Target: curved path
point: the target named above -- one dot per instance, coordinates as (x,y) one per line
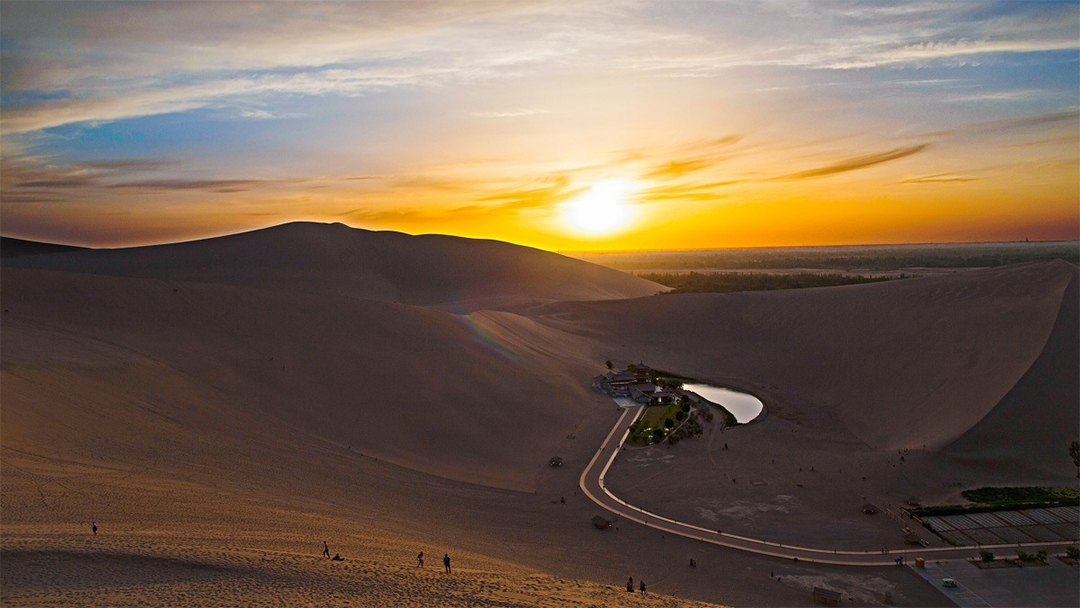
(592,483)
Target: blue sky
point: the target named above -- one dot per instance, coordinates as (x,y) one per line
(837,122)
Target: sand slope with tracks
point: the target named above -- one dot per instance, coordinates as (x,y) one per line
(225,423)
(905,364)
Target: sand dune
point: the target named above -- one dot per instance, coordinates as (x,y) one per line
(13,248)
(429,270)
(186,566)
(226,389)
(896,365)
(1042,406)
(423,388)
(979,367)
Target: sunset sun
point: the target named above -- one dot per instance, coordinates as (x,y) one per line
(603,208)
(291,292)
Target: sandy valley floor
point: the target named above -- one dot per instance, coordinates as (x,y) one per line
(219,426)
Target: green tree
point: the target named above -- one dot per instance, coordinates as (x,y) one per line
(987,556)
(609,365)
(669,423)
(1074,451)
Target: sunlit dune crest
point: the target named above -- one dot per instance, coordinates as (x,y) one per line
(634,304)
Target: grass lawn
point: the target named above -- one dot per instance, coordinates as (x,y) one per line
(641,433)
(1020,495)
(655,415)
(1005,499)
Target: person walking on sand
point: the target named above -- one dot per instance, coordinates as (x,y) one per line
(325,549)
(93,526)
(642,587)
(630,585)
(420,560)
(446,563)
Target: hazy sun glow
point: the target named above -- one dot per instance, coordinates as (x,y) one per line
(603,209)
(665,125)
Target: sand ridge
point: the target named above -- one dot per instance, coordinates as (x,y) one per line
(423,388)
(454,273)
(869,362)
(188,408)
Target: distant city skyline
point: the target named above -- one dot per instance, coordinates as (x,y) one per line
(568,126)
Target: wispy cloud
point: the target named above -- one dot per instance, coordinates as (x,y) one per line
(509,113)
(264,115)
(212,185)
(32,176)
(548,192)
(963,48)
(543,196)
(37,178)
(690,157)
(160,63)
(939,178)
(856,163)
(1006,124)
(997,96)
(676,168)
(688,192)
(1071,139)
(147,59)
(510,109)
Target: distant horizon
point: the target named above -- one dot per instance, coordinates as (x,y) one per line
(560,125)
(559,251)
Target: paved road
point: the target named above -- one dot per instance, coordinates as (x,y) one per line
(592,483)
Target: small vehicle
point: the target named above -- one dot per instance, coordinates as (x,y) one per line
(948,582)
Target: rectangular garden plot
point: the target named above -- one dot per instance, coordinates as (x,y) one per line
(957,538)
(984,536)
(1013,535)
(961,522)
(1043,534)
(986,520)
(1066,531)
(1067,513)
(1015,518)
(1045,516)
(938,523)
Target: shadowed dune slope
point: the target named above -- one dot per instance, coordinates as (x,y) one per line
(1046,398)
(428,270)
(134,366)
(898,364)
(13,248)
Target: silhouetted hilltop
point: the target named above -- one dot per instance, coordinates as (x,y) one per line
(13,248)
(304,257)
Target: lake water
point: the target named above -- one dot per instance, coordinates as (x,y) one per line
(744,407)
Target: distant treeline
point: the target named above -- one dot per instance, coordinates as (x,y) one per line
(868,258)
(723,282)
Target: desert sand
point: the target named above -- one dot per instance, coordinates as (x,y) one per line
(971,379)
(305,257)
(223,406)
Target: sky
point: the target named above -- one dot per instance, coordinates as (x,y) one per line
(564,125)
